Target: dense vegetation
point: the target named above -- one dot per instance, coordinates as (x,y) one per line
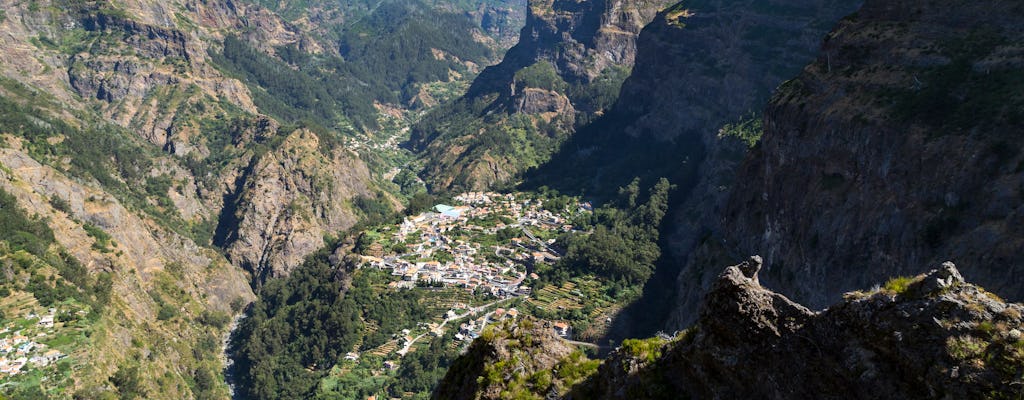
(394,46)
(29,245)
(386,55)
(623,245)
(325,96)
(302,325)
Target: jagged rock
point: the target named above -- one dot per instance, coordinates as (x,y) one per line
(751,267)
(750,342)
(581,42)
(514,351)
(287,200)
(945,277)
(539,101)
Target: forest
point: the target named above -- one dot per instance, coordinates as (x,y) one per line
(302,325)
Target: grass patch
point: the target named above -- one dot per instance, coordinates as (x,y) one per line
(898,285)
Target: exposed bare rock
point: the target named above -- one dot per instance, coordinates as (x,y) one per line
(930,337)
(288,199)
(139,253)
(539,101)
(898,147)
(565,48)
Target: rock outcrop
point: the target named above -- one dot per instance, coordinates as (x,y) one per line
(933,336)
(287,200)
(508,360)
(691,107)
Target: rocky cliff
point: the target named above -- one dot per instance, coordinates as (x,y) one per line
(692,108)
(896,148)
(565,70)
(158,281)
(932,336)
(287,199)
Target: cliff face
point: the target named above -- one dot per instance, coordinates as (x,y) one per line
(700,65)
(580,38)
(287,200)
(150,268)
(566,69)
(689,112)
(126,141)
(897,147)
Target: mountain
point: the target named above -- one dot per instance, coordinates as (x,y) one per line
(888,154)
(500,19)
(162,160)
(689,112)
(894,148)
(930,336)
(566,69)
(672,109)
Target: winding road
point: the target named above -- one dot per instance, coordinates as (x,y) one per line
(405,349)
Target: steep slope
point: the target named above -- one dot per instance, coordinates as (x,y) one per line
(146,68)
(499,19)
(287,200)
(151,295)
(701,65)
(689,112)
(897,147)
(127,139)
(565,70)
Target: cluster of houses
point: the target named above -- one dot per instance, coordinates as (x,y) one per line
(19,351)
(471,329)
(428,238)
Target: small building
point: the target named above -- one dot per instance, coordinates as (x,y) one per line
(350,356)
(561,328)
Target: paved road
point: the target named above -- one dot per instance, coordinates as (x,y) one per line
(405,349)
(584,344)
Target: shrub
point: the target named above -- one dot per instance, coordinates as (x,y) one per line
(645,349)
(898,285)
(166,312)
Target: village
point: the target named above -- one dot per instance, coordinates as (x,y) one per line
(485,246)
(462,245)
(20,351)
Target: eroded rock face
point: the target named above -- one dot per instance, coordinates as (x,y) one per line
(923,340)
(140,254)
(898,147)
(571,45)
(287,200)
